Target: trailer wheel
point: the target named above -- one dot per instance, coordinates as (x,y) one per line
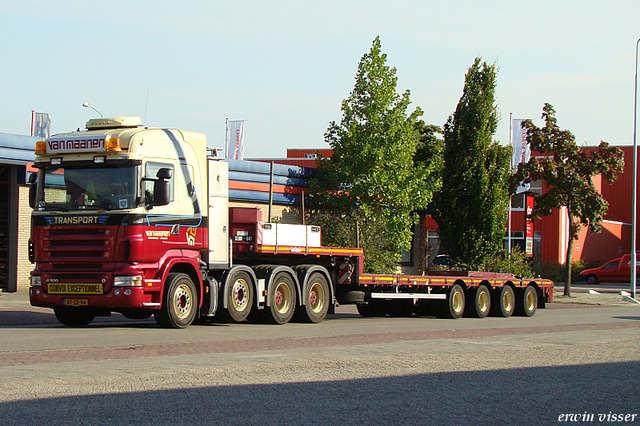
(316,299)
(453,306)
(481,302)
(503,302)
(74,317)
(282,299)
(373,308)
(238,292)
(180,302)
(527,302)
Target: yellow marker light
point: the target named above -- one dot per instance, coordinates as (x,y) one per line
(113,144)
(41,147)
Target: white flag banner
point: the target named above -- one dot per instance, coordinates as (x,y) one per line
(235,149)
(40,125)
(521,150)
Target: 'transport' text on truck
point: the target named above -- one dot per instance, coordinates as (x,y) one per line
(137,220)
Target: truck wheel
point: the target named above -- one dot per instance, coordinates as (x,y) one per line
(527,302)
(180,302)
(282,299)
(238,294)
(453,306)
(592,279)
(316,299)
(504,302)
(74,317)
(480,305)
(373,308)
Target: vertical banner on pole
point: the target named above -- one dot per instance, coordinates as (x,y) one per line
(528,221)
(40,124)
(521,150)
(235,149)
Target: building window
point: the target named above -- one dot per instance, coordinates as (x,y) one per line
(517,202)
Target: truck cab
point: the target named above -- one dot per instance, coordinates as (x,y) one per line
(115,208)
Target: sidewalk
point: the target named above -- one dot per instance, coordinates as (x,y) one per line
(586,298)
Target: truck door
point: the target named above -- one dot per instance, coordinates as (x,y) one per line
(163,222)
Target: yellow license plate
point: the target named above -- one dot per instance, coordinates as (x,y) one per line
(76,302)
(75,288)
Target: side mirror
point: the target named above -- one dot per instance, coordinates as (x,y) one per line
(161,187)
(164,173)
(33,189)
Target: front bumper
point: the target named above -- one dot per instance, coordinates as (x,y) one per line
(117,298)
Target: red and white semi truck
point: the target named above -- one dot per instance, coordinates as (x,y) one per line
(136,220)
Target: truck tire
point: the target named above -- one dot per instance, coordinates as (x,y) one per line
(592,279)
(527,302)
(453,306)
(503,302)
(239,296)
(74,317)
(316,299)
(179,303)
(281,299)
(479,302)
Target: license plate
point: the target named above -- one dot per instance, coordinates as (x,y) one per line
(76,302)
(58,288)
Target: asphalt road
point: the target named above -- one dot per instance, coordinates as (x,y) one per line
(580,356)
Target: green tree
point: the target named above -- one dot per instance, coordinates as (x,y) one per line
(567,172)
(472,204)
(371,177)
(428,156)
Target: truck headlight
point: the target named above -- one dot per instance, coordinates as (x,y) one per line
(36,281)
(127,281)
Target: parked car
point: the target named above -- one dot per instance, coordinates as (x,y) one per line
(443,260)
(615,270)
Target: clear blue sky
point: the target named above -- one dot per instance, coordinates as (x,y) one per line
(285,66)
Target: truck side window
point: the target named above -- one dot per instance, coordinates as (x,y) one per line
(151,169)
(611,265)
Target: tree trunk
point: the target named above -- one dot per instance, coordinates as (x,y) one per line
(567,269)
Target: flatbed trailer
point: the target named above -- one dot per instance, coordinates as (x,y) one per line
(442,293)
(136,220)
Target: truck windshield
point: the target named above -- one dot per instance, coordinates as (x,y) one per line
(88,188)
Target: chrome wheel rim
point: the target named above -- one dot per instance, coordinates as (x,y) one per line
(507,301)
(240,295)
(282,298)
(316,298)
(183,301)
(457,301)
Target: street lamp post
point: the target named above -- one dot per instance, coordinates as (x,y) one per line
(88,105)
(635,182)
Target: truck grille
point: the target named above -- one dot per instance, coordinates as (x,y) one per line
(77,244)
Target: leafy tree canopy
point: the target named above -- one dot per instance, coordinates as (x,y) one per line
(471,206)
(567,172)
(372,176)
